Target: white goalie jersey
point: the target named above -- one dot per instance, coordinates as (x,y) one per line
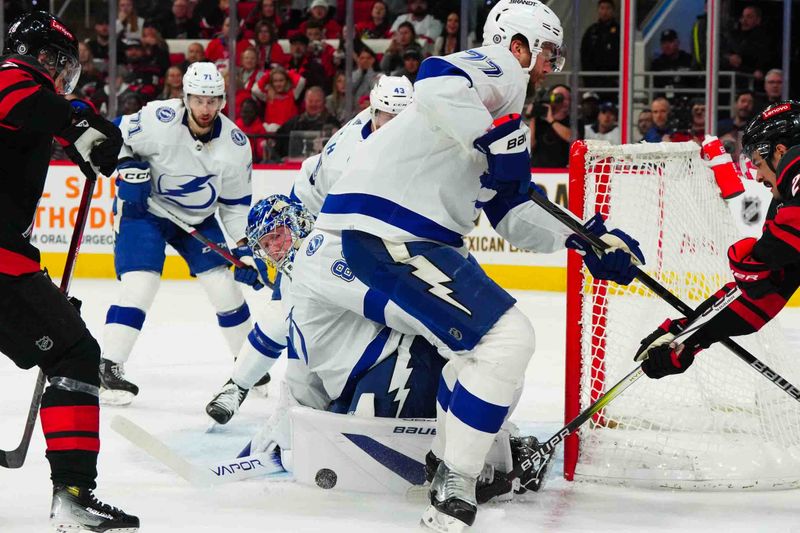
(192,178)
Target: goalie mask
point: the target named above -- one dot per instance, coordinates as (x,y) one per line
(777,124)
(276,227)
(531,19)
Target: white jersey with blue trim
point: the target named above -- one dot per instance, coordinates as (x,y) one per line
(320,172)
(418,177)
(337,325)
(192,177)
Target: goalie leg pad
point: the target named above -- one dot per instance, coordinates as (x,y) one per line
(125,319)
(233,314)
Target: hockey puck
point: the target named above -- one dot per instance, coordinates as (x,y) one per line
(325,478)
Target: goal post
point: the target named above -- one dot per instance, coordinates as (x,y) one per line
(718,426)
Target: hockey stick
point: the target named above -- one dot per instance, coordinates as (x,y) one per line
(255,465)
(576,226)
(16,457)
(162,212)
(544,452)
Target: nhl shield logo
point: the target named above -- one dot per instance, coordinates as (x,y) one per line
(45,343)
(751,210)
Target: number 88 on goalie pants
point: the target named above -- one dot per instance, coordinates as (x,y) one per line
(458,308)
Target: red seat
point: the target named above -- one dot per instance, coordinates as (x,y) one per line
(177,58)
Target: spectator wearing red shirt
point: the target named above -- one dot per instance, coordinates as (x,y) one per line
(269,52)
(247,76)
(265,10)
(279,90)
(217,49)
(320,52)
(252,126)
(318,13)
(300,62)
(379,26)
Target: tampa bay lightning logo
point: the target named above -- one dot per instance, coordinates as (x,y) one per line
(187,191)
(238,137)
(314,244)
(165,114)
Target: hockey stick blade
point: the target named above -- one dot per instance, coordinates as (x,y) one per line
(569,220)
(255,465)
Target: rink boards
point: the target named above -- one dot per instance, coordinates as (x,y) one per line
(511,267)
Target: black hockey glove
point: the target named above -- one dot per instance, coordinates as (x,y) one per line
(659,358)
(91,142)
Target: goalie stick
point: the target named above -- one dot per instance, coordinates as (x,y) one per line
(542,454)
(569,220)
(249,466)
(191,230)
(16,457)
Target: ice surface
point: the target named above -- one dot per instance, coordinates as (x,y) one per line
(181,360)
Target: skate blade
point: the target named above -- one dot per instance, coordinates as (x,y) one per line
(434,520)
(115,397)
(77,528)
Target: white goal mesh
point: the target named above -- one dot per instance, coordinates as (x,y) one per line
(720,425)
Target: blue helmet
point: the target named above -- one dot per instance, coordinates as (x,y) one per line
(266,218)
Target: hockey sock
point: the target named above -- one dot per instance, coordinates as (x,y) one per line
(258,354)
(233,314)
(70,415)
(125,319)
(447,381)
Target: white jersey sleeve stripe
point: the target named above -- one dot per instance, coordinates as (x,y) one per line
(391,213)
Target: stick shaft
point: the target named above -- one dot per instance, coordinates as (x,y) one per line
(664,293)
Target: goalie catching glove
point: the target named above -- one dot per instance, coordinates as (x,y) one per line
(91,142)
(619,262)
(658,354)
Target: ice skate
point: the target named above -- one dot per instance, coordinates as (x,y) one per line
(453,505)
(114,388)
(226,403)
(76,509)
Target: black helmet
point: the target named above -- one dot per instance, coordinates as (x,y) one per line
(777,124)
(39,32)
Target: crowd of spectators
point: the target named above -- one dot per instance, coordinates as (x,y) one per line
(288,76)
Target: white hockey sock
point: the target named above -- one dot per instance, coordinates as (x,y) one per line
(446,383)
(478,407)
(233,314)
(258,354)
(125,319)
(485,391)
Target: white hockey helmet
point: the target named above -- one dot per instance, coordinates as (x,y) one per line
(203,79)
(391,94)
(530,18)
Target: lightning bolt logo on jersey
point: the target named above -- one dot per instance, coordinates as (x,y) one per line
(189,192)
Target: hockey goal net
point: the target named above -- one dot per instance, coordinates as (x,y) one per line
(720,425)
